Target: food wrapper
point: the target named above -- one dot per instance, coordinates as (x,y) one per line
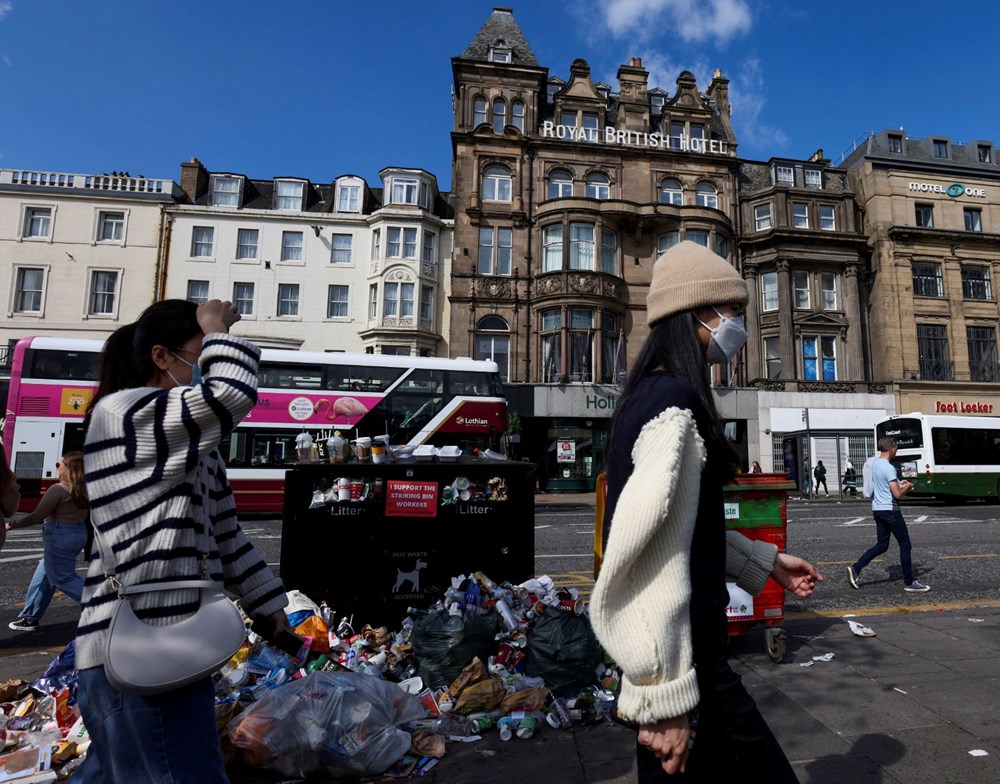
(9,690)
(66,714)
(527,700)
(482,696)
(473,673)
(315,627)
(425,744)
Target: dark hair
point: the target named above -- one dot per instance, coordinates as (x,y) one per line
(673,344)
(885,443)
(126,361)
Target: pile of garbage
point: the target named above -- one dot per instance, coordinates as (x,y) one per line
(349,701)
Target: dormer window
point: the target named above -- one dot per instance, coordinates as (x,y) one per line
(349,196)
(813,178)
(656,103)
(554,86)
(895,143)
(288,195)
(225,191)
(500,52)
(940,147)
(985,153)
(784,175)
(404,190)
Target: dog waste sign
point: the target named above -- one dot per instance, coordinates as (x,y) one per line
(411,499)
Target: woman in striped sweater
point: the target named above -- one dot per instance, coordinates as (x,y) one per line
(156,481)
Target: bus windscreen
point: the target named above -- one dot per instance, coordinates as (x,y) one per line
(907,432)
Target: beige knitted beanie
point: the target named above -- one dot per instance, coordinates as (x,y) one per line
(690,276)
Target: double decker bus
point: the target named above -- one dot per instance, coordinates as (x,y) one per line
(413,400)
(950,457)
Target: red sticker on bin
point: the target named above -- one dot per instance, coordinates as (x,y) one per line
(411,499)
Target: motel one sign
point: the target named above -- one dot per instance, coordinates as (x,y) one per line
(682,142)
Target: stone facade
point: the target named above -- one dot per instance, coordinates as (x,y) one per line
(323,267)
(932,215)
(79,253)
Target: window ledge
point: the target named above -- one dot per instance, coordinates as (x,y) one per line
(210,259)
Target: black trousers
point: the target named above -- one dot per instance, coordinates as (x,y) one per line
(732,739)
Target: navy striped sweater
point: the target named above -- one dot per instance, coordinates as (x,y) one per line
(155,477)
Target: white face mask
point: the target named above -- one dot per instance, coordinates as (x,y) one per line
(727,338)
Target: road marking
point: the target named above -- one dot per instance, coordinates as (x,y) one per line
(842,563)
(588,554)
(920,519)
(21,558)
(855,520)
(972,604)
(984,555)
(540,527)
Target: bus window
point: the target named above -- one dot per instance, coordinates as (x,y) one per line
(73,435)
(247,447)
(274,376)
(428,382)
(355,378)
(64,365)
(469,384)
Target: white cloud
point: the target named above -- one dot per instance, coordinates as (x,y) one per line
(5,8)
(694,20)
(748,96)
(6,59)
(663,72)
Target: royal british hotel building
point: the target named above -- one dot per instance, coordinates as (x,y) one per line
(567,190)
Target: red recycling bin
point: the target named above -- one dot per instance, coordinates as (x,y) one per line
(756,505)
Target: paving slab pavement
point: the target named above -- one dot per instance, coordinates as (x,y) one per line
(907,705)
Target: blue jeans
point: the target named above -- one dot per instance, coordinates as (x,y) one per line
(40,593)
(167,738)
(889,522)
(63,543)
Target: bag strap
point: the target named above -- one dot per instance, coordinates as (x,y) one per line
(110,564)
(175,585)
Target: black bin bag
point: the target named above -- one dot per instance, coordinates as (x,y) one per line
(444,644)
(563,651)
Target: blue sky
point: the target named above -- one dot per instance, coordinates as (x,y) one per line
(318,89)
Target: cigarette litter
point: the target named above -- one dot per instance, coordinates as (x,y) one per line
(975,620)
(896,688)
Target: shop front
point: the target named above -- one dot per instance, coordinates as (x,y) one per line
(948,399)
(564,430)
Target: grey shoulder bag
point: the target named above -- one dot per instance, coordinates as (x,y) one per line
(144,659)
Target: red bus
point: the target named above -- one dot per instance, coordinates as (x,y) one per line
(413,400)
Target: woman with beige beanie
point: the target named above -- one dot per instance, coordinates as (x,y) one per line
(659,605)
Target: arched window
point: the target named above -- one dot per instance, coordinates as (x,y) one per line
(479,112)
(499,115)
(560,184)
(706,195)
(598,186)
(671,193)
(496,184)
(493,343)
(517,115)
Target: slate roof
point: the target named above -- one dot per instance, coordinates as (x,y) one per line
(501,24)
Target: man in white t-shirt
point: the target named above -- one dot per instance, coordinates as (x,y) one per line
(887,489)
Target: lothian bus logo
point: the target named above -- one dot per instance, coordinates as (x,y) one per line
(471,421)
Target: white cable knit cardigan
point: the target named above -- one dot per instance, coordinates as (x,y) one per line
(640,608)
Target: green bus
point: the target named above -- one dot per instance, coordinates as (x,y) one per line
(953,458)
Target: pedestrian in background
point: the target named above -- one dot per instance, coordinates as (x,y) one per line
(10,493)
(755,468)
(806,478)
(887,489)
(63,510)
(157,486)
(659,604)
(851,479)
(820,474)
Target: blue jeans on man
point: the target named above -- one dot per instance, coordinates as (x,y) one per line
(889,522)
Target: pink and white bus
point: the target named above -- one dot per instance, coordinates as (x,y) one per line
(413,400)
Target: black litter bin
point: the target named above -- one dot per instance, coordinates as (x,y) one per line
(372,540)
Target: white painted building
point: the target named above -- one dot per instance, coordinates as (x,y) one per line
(79,253)
(318,267)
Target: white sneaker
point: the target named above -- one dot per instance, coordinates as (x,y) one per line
(916,587)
